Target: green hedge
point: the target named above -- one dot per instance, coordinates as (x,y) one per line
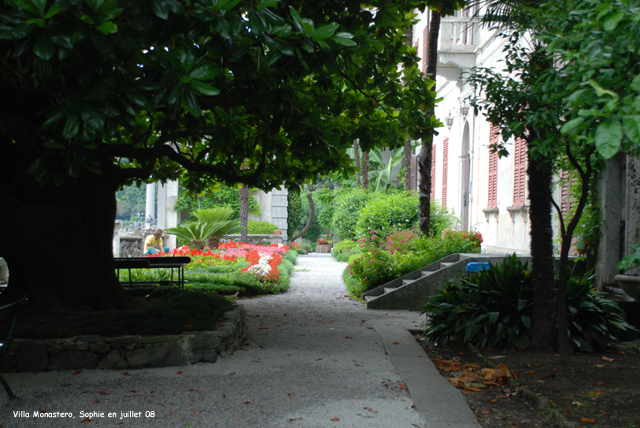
(260,227)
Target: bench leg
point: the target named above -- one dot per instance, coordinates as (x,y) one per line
(8,389)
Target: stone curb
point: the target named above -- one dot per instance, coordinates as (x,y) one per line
(555,418)
(127,352)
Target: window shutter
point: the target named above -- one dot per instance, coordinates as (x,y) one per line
(492,200)
(433,171)
(566,200)
(445,170)
(519,172)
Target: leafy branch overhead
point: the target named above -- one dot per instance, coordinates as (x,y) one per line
(198,89)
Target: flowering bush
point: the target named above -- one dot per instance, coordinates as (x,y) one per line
(323,241)
(475,238)
(263,266)
(401,252)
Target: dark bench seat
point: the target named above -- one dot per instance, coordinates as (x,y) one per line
(153,263)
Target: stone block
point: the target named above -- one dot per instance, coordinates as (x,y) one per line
(113,361)
(204,355)
(205,340)
(170,354)
(99,348)
(73,360)
(124,342)
(160,339)
(31,356)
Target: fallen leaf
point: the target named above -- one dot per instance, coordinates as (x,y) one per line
(396,343)
(587,420)
(197,411)
(348,337)
(101,392)
(87,420)
(247,402)
(76,372)
(577,403)
(192,389)
(133,390)
(600,383)
(291,395)
(335,419)
(608,359)
(600,366)
(219,325)
(96,401)
(126,374)
(189,325)
(179,372)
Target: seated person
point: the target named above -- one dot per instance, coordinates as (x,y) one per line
(153,243)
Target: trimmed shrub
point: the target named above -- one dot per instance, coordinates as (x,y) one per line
(493,308)
(260,227)
(347,212)
(345,249)
(384,213)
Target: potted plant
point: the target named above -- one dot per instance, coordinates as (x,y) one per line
(630,283)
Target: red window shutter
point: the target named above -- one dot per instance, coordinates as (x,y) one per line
(566,201)
(445,170)
(433,171)
(413,185)
(492,200)
(519,172)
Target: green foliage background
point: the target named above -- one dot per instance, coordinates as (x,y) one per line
(227,196)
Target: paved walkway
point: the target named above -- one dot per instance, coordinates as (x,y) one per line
(314,358)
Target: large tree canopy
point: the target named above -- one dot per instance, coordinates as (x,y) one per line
(103,93)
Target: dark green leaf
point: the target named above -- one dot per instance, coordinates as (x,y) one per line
(44,48)
(325,31)
(71,127)
(205,71)
(608,138)
(204,88)
(631,126)
(192,102)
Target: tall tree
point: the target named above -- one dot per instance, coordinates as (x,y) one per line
(101,94)
(438,8)
(356,156)
(562,108)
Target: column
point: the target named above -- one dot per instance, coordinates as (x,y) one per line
(150,206)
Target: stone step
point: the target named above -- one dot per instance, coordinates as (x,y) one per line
(369,298)
(427,272)
(407,281)
(446,264)
(388,289)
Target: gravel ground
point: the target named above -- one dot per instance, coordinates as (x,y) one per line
(312,359)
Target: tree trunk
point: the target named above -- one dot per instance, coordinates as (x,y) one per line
(407,164)
(311,213)
(244,212)
(424,158)
(57,240)
(543,316)
(365,170)
(357,158)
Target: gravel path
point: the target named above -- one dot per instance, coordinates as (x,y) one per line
(312,359)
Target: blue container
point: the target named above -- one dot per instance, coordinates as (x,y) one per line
(475,267)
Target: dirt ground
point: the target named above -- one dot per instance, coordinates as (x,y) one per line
(600,389)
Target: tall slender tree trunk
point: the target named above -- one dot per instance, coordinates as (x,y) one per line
(365,170)
(542,262)
(356,154)
(424,158)
(407,143)
(243,194)
(407,164)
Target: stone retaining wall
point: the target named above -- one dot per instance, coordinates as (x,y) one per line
(127,352)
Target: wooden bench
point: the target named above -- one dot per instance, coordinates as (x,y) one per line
(153,263)
(4,344)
